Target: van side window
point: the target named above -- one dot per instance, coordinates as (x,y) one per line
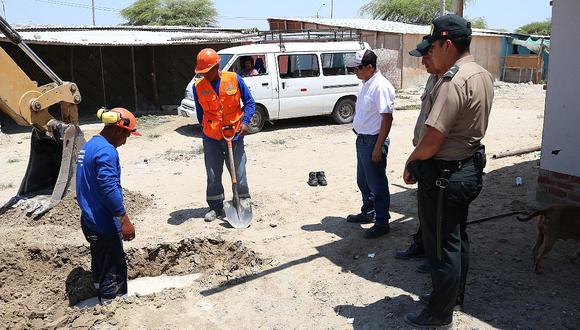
(334,64)
(250,65)
(298,66)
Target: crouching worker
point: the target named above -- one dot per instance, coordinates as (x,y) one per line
(104,220)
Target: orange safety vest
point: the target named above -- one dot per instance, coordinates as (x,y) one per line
(222,110)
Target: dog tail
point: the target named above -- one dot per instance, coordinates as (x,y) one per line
(531,216)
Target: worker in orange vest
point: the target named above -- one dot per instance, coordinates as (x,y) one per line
(217,100)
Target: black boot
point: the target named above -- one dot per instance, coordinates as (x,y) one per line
(413,252)
(312,179)
(424,320)
(360,218)
(321,178)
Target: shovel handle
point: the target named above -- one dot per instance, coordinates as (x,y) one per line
(228,133)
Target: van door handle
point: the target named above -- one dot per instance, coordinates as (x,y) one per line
(265,84)
(283,85)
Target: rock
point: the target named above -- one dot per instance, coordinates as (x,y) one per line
(273,225)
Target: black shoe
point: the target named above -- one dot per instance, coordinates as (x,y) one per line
(424,268)
(426,321)
(425,298)
(413,252)
(321,178)
(377,231)
(360,218)
(312,179)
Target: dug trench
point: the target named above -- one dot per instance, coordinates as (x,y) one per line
(38,286)
(66,213)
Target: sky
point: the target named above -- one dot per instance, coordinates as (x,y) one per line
(506,14)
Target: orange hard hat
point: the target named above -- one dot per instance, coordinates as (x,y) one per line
(207,58)
(120,117)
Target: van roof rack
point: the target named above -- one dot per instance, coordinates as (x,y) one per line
(282,36)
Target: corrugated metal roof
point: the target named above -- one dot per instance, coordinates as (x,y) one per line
(127,35)
(378,25)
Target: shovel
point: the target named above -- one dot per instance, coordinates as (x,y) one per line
(238,215)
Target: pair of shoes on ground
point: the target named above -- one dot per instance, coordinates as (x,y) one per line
(317,179)
(424,320)
(373,232)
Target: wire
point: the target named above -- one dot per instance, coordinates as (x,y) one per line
(79,5)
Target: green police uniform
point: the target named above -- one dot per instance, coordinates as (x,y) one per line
(461,103)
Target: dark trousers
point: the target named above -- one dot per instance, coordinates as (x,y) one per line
(372,180)
(449,274)
(108,264)
(215,153)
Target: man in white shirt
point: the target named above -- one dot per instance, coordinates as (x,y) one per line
(372,123)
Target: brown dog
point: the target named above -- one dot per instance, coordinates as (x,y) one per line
(555,222)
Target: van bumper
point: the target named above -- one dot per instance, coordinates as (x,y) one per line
(187,109)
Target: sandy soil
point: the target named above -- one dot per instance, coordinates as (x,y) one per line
(300,265)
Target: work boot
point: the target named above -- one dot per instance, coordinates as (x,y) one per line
(214,214)
(321,178)
(362,217)
(413,252)
(425,298)
(312,179)
(424,268)
(376,231)
(424,320)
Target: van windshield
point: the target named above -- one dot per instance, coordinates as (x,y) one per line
(224,59)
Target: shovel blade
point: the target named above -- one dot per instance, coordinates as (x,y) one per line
(237,215)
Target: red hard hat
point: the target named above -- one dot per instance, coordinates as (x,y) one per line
(207,58)
(127,120)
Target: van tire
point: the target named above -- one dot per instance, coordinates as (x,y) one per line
(343,112)
(258,120)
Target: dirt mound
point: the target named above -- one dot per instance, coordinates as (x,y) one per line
(67,212)
(37,285)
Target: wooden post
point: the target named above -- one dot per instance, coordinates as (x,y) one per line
(154,79)
(103,76)
(134,78)
(72,64)
(458,7)
(441,7)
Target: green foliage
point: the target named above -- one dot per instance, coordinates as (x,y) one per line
(478,23)
(406,11)
(199,13)
(541,28)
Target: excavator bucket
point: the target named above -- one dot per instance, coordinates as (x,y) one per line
(51,168)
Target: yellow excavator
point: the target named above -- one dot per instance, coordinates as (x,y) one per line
(54,143)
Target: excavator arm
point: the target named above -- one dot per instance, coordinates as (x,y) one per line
(54,143)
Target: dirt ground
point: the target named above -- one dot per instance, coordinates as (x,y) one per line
(300,265)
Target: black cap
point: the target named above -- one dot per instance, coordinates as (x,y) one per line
(422,48)
(363,57)
(449,26)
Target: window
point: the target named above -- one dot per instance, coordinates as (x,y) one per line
(250,65)
(334,64)
(224,59)
(298,66)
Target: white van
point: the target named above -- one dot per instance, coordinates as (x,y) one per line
(293,79)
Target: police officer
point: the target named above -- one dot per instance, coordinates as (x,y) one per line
(448,164)
(416,249)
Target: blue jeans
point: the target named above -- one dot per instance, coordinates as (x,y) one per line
(215,153)
(372,180)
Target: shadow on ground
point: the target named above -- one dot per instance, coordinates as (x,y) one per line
(502,290)
(179,217)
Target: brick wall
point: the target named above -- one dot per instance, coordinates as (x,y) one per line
(554,187)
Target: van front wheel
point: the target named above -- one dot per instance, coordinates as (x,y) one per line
(343,112)
(258,120)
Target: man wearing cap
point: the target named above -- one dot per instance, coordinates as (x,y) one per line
(217,101)
(104,220)
(448,163)
(416,249)
(372,124)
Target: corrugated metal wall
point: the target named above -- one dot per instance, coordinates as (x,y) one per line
(161,73)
